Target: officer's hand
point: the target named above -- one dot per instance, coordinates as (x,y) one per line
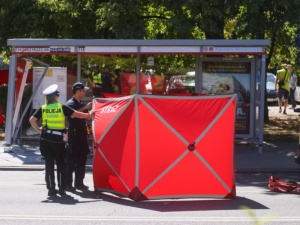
(69,148)
(90,114)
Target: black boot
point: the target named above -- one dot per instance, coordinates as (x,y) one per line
(62,191)
(52,191)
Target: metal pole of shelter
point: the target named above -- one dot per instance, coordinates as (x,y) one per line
(262,108)
(254,68)
(138,73)
(10,100)
(198,89)
(78,68)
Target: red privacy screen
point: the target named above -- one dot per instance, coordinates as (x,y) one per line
(155,147)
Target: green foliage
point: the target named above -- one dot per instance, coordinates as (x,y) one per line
(277,21)
(129,19)
(125,63)
(210,16)
(47,19)
(273,20)
(70,18)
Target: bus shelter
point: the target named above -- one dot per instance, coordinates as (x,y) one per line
(221,67)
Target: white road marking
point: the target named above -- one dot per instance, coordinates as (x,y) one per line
(149,219)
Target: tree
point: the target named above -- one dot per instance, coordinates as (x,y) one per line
(48,19)
(132,19)
(273,20)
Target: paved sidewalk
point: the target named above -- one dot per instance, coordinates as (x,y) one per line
(27,157)
(276,157)
(274,112)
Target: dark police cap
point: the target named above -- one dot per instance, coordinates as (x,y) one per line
(78,86)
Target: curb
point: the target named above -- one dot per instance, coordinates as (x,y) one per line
(89,168)
(32,168)
(272,171)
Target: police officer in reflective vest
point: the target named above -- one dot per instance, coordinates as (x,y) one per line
(52,145)
(101,82)
(78,147)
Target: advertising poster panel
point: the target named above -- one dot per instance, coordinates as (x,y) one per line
(54,75)
(227,78)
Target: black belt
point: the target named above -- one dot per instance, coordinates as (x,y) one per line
(55,132)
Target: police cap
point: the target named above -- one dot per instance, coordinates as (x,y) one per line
(78,86)
(52,89)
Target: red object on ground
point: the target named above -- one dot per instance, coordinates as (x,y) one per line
(154,147)
(277,185)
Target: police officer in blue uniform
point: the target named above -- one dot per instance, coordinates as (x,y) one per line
(52,145)
(78,147)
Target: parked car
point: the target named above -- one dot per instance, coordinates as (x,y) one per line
(180,84)
(270,87)
(186,84)
(297,94)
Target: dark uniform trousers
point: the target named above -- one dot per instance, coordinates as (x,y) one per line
(54,152)
(76,159)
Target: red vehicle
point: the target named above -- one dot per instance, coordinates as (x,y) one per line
(3,80)
(2,118)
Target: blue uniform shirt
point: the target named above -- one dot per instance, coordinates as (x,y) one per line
(78,124)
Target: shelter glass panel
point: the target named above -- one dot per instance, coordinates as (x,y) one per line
(219,77)
(168,74)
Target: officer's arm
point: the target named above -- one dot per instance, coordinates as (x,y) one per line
(86,107)
(33,122)
(80,115)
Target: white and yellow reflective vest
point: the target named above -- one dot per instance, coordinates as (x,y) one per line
(53,116)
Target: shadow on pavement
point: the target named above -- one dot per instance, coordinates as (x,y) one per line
(175,205)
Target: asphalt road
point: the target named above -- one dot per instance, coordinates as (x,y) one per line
(24,200)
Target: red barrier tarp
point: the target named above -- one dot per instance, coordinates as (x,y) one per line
(152,147)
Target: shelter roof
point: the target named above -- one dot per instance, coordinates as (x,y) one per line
(137,46)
